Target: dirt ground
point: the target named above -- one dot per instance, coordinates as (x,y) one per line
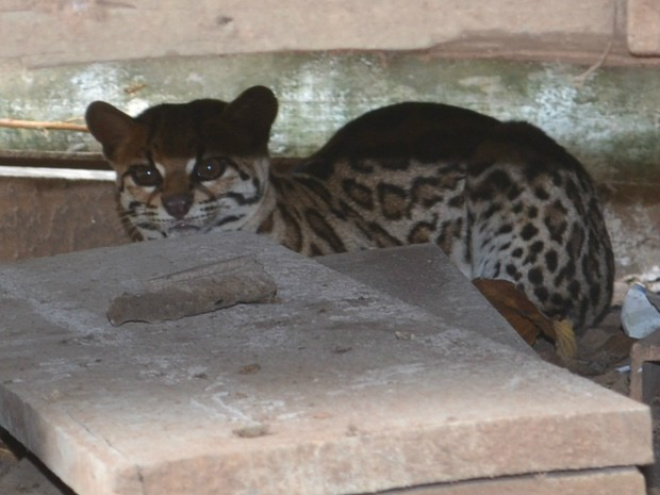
(603,351)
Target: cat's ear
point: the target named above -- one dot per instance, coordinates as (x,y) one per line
(253,110)
(109,125)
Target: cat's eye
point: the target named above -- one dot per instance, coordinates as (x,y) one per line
(210,169)
(145,175)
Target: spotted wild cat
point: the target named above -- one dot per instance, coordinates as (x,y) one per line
(502,199)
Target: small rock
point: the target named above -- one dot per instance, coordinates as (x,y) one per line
(639,316)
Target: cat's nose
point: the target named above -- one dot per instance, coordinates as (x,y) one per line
(178,205)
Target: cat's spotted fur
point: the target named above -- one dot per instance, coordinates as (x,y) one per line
(503,200)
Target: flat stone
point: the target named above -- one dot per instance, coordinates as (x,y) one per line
(335,388)
(422,275)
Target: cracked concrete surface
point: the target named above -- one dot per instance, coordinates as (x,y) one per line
(322,380)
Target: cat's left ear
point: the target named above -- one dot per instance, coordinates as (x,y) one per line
(109,125)
(254,110)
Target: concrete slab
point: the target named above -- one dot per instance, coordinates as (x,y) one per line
(614,481)
(314,394)
(26,478)
(422,275)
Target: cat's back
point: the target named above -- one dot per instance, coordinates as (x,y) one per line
(424,132)
(502,199)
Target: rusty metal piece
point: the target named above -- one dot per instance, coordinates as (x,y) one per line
(645,368)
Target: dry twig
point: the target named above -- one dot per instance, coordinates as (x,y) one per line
(582,78)
(43,126)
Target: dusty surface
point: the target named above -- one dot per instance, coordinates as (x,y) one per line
(76,31)
(358,390)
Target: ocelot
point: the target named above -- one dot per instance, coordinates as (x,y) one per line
(502,199)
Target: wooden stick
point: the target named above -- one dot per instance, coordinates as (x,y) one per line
(34,124)
(54,159)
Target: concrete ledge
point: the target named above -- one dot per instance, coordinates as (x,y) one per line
(26,478)
(616,481)
(644,27)
(74,31)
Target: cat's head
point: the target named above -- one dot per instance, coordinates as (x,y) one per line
(193,167)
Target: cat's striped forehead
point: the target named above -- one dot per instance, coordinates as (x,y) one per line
(182,131)
(190,131)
